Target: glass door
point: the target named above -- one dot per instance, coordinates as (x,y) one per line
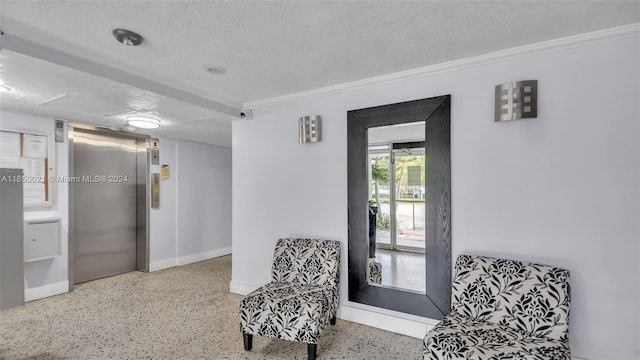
(397,199)
(380,198)
(408,199)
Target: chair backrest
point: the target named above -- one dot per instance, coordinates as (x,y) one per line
(528,297)
(307,261)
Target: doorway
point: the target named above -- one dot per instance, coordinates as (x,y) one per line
(397,177)
(107,203)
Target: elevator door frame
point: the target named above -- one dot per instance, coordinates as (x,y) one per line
(142,198)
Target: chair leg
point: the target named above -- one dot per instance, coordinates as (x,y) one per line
(248,341)
(311,350)
(332,321)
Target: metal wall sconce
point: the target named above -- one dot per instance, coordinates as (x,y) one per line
(309,129)
(517,100)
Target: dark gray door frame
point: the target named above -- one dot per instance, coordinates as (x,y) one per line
(436,112)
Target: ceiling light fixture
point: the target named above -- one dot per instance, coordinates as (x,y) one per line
(143,122)
(127,37)
(218,70)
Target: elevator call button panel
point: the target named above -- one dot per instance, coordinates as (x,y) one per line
(155,151)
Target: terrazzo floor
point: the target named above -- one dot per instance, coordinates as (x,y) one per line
(179,313)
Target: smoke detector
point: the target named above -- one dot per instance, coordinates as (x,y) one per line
(127,37)
(217,70)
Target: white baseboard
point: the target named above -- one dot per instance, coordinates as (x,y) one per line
(405,324)
(240,288)
(41,292)
(189,259)
(162,264)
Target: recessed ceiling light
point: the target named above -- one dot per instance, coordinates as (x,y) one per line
(218,70)
(127,37)
(143,122)
(4,88)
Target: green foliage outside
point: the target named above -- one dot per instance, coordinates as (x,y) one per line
(383,221)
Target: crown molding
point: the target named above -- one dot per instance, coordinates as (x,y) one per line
(497,56)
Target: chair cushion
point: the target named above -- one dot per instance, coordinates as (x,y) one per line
(290,311)
(307,261)
(528,297)
(458,337)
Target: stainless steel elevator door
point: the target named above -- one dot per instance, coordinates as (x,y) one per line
(104,205)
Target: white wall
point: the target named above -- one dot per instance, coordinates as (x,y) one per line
(46,277)
(562,189)
(402,132)
(203,200)
(193,222)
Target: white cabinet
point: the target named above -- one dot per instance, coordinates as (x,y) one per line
(41,239)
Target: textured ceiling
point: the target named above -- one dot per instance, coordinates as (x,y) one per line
(269,49)
(43,88)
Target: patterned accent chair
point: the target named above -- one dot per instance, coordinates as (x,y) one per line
(504,309)
(375,271)
(302,297)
